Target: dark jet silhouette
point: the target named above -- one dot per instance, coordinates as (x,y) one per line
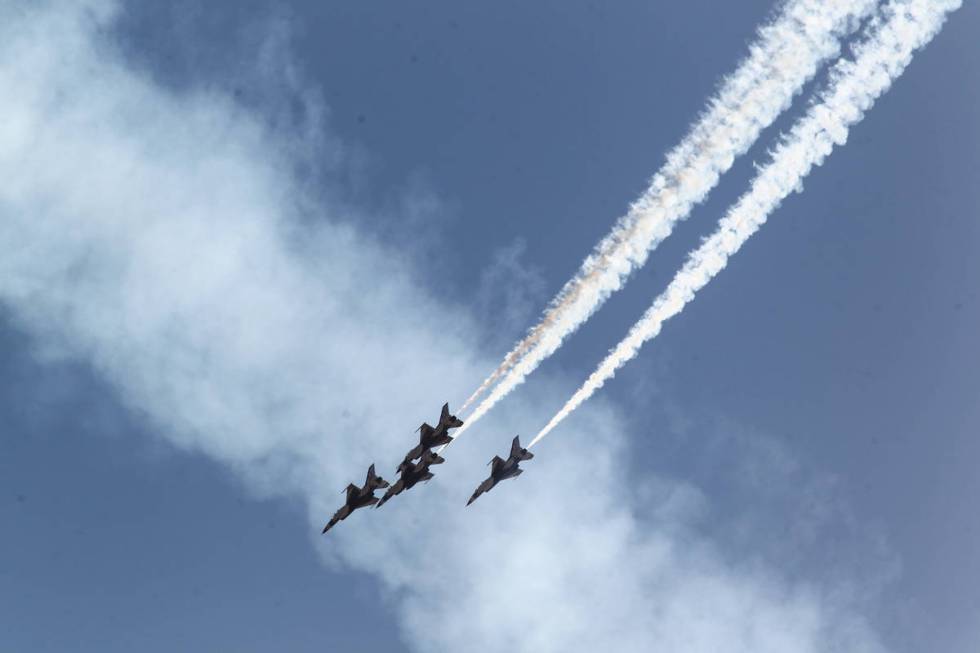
(358,497)
(431,437)
(412,474)
(503,469)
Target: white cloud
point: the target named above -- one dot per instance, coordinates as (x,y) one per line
(161,236)
(510,290)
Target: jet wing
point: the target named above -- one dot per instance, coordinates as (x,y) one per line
(496,464)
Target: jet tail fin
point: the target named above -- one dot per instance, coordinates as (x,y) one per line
(429,457)
(447,419)
(517,452)
(373,480)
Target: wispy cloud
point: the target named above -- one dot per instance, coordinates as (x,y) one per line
(162,237)
(903,27)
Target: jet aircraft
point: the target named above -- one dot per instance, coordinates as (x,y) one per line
(358,497)
(503,469)
(412,474)
(430,437)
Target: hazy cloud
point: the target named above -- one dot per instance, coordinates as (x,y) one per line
(511,290)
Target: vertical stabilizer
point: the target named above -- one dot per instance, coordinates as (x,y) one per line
(517,452)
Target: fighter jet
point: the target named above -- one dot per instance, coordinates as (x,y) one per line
(358,497)
(430,437)
(503,469)
(412,474)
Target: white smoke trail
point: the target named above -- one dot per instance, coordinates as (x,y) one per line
(733,121)
(854,86)
(787,53)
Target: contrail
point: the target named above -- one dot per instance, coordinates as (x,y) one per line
(879,59)
(787,52)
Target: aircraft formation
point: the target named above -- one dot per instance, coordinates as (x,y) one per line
(411,473)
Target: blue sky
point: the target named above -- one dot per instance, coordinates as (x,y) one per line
(385,196)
